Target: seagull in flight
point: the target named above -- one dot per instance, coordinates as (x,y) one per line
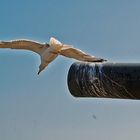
(49,51)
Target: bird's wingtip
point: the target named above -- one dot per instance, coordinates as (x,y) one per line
(104,60)
(100,60)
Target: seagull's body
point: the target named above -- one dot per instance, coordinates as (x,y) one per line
(48,52)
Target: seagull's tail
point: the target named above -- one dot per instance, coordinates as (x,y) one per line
(54,41)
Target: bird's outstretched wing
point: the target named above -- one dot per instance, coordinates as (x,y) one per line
(23,44)
(72,52)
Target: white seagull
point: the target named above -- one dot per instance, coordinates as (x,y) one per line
(48,52)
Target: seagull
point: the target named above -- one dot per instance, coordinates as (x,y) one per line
(49,51)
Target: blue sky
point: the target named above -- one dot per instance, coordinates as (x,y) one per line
(40,107)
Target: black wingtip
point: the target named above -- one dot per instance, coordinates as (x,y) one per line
(104,60)
(100,60)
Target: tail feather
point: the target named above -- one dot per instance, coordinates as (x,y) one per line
(54,42)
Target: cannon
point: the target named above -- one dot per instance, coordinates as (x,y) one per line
(104,80)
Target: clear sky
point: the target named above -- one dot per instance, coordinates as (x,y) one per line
(40,107)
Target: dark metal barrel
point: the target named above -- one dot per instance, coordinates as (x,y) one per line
(105,80)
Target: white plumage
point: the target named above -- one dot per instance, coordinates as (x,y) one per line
(48,52)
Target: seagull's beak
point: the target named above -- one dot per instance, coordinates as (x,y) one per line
(41,67)
(39,71)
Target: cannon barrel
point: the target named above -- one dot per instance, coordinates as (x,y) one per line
(104,80)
